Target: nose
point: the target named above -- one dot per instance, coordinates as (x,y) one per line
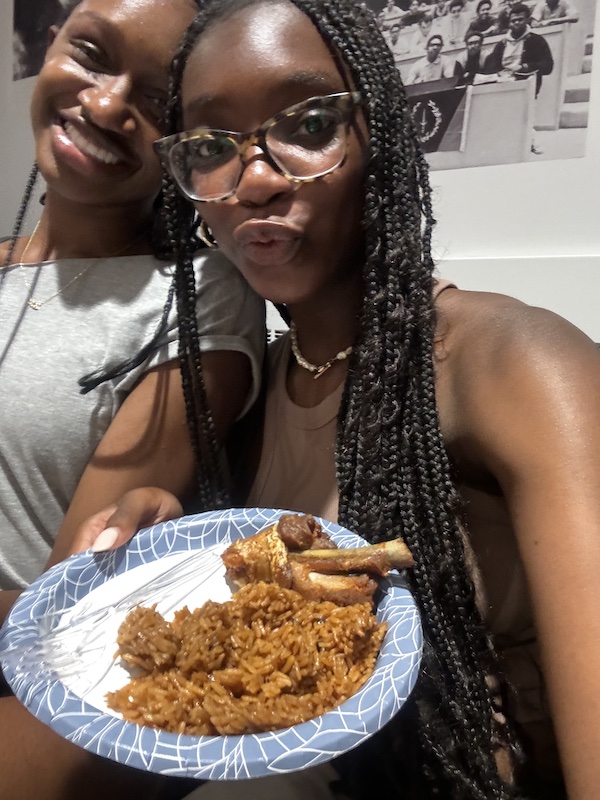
(260,183)
(107,103)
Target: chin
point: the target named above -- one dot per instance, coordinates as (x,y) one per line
(278,284)
(269,287)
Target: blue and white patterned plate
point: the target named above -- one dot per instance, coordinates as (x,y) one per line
(57,651)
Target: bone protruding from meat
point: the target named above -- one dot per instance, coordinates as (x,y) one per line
(374,558)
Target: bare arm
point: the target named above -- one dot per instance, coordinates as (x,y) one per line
(147,443)
(8,597)
(532,409)
(35,762)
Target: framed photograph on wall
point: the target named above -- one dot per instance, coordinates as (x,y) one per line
(494,81)
(32,21)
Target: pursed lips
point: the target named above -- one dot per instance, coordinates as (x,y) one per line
(267,242)
(260,231)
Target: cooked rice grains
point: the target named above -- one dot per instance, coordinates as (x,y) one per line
(264,660)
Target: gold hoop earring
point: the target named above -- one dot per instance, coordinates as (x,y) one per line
(205,233)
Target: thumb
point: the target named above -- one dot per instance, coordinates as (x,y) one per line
(88,531)
(138,508)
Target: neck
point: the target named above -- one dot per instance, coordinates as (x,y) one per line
(70,230)
(309,382)
(517,36)
(328,323)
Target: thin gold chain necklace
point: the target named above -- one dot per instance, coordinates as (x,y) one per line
(317,369)
(34,304)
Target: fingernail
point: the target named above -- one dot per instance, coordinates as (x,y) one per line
(105,540)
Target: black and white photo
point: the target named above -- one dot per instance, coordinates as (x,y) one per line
(523,71)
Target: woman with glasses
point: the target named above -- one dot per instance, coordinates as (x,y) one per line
(90,386)
(467,423)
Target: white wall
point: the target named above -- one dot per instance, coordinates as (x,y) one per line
(529,230)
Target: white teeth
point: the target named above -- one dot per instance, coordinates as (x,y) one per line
(89,148)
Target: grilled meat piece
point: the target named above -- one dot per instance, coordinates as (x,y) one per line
(327,573)
(262,557)
(344,590)
(301,532)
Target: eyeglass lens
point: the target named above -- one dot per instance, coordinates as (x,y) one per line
(304,144)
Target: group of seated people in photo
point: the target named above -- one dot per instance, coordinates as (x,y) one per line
(454,19)
(519,54)
(427,29)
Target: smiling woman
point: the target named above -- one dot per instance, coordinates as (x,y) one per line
(90,386)
(97,103)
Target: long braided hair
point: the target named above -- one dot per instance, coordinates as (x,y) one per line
(394,474)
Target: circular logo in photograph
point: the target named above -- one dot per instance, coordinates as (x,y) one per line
(428,118)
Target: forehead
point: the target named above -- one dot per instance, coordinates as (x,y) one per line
(123,10)
(261,59)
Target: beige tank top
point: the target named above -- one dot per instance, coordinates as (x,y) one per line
(297,463)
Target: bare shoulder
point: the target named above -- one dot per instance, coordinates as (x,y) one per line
(4,246)
(481,328)
(493,349)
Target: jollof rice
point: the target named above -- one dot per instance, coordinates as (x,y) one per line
(264,660)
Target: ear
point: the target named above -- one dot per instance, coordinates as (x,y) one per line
(52,33)
(50,37)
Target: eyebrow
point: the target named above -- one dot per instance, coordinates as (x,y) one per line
(318,82)
(91,15)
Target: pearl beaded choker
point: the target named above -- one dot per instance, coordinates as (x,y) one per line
(317,369)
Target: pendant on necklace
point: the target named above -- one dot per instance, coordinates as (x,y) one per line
(34,304)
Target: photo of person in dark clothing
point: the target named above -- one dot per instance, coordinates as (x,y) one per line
(521,53)
(485,21)
(472,61)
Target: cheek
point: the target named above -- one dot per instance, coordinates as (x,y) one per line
(57,86)
(337,217)
(219,218)
(154,172)
(40,94)
(213,216)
